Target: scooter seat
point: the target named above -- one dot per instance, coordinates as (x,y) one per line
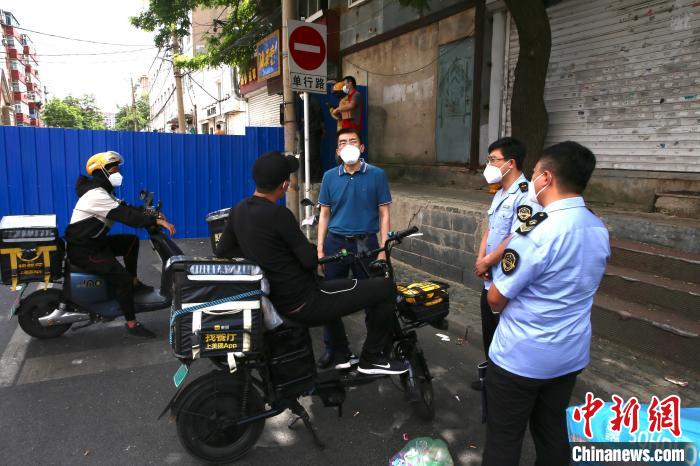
(75,269)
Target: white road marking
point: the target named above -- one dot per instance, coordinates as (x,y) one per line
(13,357)
(307,48)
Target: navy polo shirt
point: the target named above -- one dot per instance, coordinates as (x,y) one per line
(354,199)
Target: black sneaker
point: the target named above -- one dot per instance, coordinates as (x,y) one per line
(476,385)
(347,361)
(381,365)
(325,360)
(141,287)
(139,331)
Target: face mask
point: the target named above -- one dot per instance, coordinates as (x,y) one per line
(531,194)
(345,89)
(350,154)
(493,174)
(116,179)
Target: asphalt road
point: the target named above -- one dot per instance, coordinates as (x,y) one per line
(92,396)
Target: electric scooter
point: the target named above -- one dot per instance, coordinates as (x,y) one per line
(83,297)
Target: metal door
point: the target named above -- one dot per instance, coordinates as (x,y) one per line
(454,103)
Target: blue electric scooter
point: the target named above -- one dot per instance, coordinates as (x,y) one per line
(84,297)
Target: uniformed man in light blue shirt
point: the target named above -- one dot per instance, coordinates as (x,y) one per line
(509,208)
(543,290)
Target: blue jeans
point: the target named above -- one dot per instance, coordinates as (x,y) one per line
(334,336)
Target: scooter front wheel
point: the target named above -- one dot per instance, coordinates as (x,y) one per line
(207,416)
(39,304)
(422,386)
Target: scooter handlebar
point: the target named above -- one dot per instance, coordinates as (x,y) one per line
(401,234)
(335,257)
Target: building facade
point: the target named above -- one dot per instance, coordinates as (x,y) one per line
(623,80)
(21,67)
(211,96)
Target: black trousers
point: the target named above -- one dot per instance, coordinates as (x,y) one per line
(336,298)
(334,336)
(104,263)
(489,322)
(512,402)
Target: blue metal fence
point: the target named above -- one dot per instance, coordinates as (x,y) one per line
(192,174)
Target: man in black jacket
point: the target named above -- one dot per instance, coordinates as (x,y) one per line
(267,233)
(92,249)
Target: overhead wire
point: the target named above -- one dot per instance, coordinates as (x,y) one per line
(114,52)
(164,104)
(82,40)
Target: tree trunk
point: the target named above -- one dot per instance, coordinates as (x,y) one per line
(528,114)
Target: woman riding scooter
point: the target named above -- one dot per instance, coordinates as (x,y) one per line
(92,249)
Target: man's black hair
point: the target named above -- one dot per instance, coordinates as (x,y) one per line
(351,79)
(349,131)
(218,126)
(511,148)
(571,163)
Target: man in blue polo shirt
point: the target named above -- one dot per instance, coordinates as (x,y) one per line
(543,290)
(355,201)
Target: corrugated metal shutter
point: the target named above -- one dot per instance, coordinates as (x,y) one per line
(624,80)
(264,110)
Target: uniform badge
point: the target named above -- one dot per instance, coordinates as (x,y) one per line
(531,223)
(524,212)
(509,261)
(523,186)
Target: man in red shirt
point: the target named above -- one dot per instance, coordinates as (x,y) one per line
(350,112)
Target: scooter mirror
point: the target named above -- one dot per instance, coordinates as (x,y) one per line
(306,202)
(143,194)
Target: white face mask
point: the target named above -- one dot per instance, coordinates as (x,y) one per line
(345,89)
(116,179)
(531,194)
(493,174)
(350,154)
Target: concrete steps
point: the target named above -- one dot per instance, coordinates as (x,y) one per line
(649,300)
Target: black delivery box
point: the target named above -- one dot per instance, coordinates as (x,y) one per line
(218,325)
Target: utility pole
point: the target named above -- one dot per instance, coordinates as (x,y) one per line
(133,104)
(178,87)
(289,117)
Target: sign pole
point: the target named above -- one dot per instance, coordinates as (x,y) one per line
(307,162)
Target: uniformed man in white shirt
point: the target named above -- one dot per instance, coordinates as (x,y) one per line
(543,290)
(509,208)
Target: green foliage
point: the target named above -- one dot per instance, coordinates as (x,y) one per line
(73,112)
(240,26)
(128,115)
(57,113)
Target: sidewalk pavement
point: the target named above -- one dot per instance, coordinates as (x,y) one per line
(613,369)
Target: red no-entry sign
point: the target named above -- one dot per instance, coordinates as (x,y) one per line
(307,56)
(307,47)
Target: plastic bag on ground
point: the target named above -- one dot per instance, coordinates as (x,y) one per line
(423,451)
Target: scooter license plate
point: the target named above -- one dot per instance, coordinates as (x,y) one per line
(15,305)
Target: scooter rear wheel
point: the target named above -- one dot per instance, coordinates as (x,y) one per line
(39,304)
(207,413)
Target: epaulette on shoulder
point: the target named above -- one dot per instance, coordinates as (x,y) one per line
(523,186)
(529,225)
